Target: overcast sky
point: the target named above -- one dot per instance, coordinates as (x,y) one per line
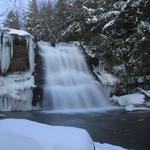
(7,5)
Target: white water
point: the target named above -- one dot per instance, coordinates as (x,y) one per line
(69,83)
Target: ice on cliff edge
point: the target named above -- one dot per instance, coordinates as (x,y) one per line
(6,47)
(16,92)
(27,135)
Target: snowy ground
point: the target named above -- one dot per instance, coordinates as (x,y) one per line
(27,135)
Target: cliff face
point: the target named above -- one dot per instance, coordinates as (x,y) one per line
(16,51)
(20,60)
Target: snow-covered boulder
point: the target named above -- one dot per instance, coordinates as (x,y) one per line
(134,108)
(131,99)
(28,135)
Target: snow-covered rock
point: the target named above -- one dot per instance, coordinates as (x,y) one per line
(131,99)
(16,32)
(133,108)
(28,135)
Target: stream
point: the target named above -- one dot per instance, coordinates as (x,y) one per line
(127,129)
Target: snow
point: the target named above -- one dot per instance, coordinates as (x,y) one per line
(131,99)
(136,3)
(144,25)
(110,14)
(92,20)
(110,23)
(28,135)
(146,93)
(133,108)
(140,80)
(121,5)
(16,92)
(89,10)
(119,69)
(22,134)
(105,146)
(18,32)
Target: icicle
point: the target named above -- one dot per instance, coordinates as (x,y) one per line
(31,46)
(6,52)
(11,45)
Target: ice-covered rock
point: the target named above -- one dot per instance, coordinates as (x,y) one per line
(131,99)
(16,92)
(134,108)
(6,47)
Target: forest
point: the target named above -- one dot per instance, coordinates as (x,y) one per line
(117,32)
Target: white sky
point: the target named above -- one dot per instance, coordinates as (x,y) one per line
(7,5)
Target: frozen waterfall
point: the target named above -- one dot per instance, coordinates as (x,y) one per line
(69,83)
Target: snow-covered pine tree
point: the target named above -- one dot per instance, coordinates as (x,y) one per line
(12,20)
(62,12)
(32,24)
(46,21)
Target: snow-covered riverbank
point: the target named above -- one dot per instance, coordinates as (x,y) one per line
(27,135)
(136,101)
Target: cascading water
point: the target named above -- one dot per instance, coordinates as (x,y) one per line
(69,83)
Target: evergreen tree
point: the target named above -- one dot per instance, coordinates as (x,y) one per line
(62,12)
(47,19)
(32,19)
(12,20)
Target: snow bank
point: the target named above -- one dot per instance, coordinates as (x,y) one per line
(27,135)
(133,102)
(133,108)
(16,92)
(17,32)
(131,99)
(105,146)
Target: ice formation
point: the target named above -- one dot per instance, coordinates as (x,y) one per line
(109,81)
(6,47)
(16,92)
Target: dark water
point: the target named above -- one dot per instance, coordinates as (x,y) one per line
(127,129)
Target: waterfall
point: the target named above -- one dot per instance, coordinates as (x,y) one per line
(69,83)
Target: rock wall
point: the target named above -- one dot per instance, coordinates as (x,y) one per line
(20,60)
